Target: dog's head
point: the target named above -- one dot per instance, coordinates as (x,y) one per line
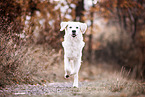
(73,28)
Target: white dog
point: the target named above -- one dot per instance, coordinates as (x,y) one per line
(73,45)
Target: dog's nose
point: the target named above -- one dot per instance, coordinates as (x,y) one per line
(73,31)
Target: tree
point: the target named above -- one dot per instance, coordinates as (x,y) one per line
(131,16)
(79,11)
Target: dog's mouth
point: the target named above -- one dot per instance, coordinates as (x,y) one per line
(74,35)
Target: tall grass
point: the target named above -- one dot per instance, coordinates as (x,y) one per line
(10,57)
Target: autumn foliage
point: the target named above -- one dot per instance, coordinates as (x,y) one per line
(27,24)
(130,14)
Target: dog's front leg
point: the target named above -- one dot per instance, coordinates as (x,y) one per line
(75,84)
(67,67)
(77,64)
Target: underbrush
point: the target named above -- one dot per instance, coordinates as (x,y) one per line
(22,62)
(9,58)
(125,86)
(41,64)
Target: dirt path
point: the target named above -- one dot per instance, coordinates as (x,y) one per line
(94,82)
(102,87)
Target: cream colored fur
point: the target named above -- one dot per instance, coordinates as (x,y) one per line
(73,47)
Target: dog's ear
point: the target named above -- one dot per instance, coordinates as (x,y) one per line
(63,25)
(83,27)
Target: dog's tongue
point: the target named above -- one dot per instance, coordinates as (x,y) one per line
(73,35)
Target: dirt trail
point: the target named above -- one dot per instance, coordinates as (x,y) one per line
(104,86)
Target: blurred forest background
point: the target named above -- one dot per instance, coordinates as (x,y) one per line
(30,40)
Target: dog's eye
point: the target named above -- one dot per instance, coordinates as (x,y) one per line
(70,27)
(77,27)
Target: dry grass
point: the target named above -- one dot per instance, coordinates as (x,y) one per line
(40,64)
(29,64)
(9,58)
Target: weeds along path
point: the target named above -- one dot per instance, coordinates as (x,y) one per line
(104,86)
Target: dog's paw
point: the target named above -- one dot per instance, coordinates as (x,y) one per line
(66,76)
(75,86)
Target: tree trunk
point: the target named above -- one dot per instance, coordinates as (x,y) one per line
(124,22)
(135,28)
(91,36)
(118,13)
(79,11)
